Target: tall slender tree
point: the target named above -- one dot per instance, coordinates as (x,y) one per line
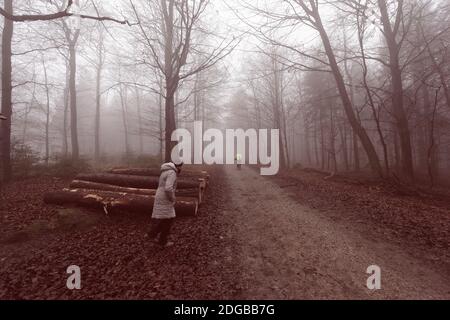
(7,35)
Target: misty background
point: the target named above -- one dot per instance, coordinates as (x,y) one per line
(353,85)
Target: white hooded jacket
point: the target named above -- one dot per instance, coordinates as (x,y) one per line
(164,206)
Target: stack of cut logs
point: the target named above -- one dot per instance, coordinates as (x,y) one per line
(131,190)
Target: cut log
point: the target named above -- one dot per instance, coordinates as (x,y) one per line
(139,182)
(79,184)
(114,201)
(156,172)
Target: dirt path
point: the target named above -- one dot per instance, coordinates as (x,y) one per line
(289,251)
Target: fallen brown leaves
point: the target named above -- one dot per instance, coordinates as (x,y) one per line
(420,221)
(21,203)
(116,261)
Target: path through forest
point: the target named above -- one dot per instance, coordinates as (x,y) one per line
(252,239)
(289,251)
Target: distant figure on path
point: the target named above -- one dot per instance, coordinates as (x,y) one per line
(163,214)
(239,161)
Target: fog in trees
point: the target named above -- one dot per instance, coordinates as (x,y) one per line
(354,86)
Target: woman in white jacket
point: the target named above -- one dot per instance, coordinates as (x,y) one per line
(163,214)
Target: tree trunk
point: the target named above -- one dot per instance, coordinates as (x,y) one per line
(98,108)
(357,164)
(346,102)
(322,139)
(277,104)
(73,102)
(376,116)
(111,202)
(140,130)
(307,140)
(155,172)
(343,134)
(397,90)
(161,127)
(196,98)
(98,94)
(8,30)
(285,136)
(170,124)
(171,75)
(138,181)
(401,119)
(123,103)
(396,150)
(79,184)
(316,145)
(27,112)
(333,140)
(47,116)
(65,137)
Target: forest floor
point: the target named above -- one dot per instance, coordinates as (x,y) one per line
(292,236)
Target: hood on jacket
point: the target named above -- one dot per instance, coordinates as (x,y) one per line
(168,166)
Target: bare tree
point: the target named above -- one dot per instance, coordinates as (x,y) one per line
(394,39)
(9,18)
(47,113)
(72,40)
(170,42)
(7,35)
(311,16)
(98,62)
